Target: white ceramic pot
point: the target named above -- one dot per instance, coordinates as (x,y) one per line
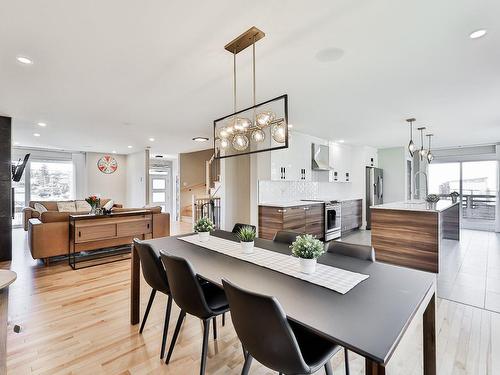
(307,266)
(247,247)
(203,236)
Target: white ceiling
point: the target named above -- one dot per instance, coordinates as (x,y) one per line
(108,74)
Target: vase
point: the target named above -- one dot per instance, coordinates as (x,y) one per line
(307,266)
(454,199)
(93,210)
(431,205)
(203,236)
(247,247)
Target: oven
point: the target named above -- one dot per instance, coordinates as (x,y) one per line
(332,220)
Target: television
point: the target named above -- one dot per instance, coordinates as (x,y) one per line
(18,169)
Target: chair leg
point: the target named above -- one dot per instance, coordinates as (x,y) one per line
(165,326)
(247,364)
(204,349)
(215,327)
(150,302)
(346,359)
(176,333)
(223,319)
(328,368)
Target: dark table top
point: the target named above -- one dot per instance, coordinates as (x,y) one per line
(112,214)
(369,320)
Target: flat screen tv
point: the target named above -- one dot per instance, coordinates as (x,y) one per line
(18,169)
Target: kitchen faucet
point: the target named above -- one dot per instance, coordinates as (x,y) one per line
(415,195)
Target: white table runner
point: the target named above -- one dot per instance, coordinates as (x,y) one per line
(329,277)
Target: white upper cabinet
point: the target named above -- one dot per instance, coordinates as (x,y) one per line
(340,162)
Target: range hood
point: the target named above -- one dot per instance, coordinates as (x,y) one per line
(320,157)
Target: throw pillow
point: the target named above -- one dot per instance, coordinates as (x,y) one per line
(40,208)
(109,205)
(66,206)
(82,206)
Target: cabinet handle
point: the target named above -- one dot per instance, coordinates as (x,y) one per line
(79,234)
(306,208)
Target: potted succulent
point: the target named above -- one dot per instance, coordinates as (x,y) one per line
(94,203)
(308,249)
(454,196)
(432,199)
(246,235)
(204,226)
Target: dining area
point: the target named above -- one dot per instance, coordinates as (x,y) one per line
(289,321)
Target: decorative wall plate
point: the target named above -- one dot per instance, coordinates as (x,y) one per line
(107,164)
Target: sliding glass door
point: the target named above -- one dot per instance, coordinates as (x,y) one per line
(476,182)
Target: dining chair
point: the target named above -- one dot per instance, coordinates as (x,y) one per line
(274,341)
(362,252)
(156,277)
(238,226)
(285,236)
(205,301)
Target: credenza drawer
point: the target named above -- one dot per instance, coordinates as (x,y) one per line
(134,228)
(98,232)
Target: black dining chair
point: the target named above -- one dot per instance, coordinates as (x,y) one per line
(205,301)
(286,236)
(156,277)
(268,336)
(237,227)
(352,250)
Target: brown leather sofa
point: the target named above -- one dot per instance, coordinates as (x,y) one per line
(48,233)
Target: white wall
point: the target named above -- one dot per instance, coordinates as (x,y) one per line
(113,185)
(393,162)
(136,180)
(237,191)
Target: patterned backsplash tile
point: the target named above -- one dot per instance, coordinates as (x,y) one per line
(286,191)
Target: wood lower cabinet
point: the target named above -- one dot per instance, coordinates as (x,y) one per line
(304,219)
(351,215)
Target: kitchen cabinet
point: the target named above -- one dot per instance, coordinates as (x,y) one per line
(351,215)
(340,162)
(303,219)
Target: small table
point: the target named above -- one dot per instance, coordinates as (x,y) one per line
(114,232)
(6,278)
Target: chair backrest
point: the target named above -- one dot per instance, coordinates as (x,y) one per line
(264,331)
(184,286)
(351,250)
(286,236)
(238,226)
(152,268)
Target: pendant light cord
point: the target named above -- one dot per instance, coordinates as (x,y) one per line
(253,63)
(234,81)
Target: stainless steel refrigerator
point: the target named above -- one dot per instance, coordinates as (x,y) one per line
(374,191)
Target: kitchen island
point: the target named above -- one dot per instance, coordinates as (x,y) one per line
(410,233)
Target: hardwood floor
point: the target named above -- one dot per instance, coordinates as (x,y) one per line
(77,322)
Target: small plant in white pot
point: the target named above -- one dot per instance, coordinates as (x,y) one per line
(204,226)
(308,249)
(246,235)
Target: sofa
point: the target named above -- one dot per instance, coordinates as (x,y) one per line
(48,232)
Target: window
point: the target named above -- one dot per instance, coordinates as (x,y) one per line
(51,180)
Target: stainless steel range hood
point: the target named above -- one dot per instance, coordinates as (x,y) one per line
(320,157)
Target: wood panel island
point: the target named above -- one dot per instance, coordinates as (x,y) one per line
(410,233)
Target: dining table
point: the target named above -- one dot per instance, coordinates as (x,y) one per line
(370,319)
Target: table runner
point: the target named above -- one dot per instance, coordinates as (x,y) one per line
(333,278)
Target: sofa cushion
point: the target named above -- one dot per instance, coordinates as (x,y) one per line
(82,206)
(40,208)
(49,205)
(66,206)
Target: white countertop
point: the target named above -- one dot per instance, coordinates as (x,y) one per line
(416,206)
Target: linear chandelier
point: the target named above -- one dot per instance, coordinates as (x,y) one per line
(422,152)
(261,127)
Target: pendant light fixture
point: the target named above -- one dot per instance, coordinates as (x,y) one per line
(430,156)
(422,152)
(411,145)
(250,130)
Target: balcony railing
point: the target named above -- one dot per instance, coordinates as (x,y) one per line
(207,207)
(476,206)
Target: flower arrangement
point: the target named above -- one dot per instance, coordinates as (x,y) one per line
(204,225)
(246,234)
(307,247)
(94,202)
(432,198)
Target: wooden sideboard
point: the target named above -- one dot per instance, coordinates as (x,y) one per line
(308,219)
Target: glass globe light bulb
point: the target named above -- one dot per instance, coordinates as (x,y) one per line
(278,132)
(223,133)
(224,143)
(240,142)
(264,118)
(258,135)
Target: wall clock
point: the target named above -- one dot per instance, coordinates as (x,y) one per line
(107,164)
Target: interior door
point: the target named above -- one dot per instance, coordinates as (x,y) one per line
(160,191)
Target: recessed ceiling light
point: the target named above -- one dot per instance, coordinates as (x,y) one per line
(200,139)
(151,139)
(478,34)
(290,126)
(114,152)
(36,134)
(129,146)
(341,141)
(16,143)
(42,124)
(24,60)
